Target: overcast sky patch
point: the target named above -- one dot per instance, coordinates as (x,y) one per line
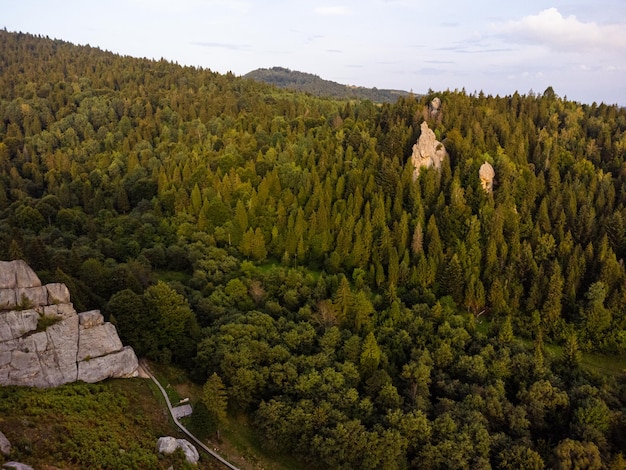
(332,10)
(551,29)
(221,45)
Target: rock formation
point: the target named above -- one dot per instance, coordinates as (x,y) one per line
(5,445)
(45,343)
(434,108)
(168,445)
(16,466)
(427,152)
(486,173)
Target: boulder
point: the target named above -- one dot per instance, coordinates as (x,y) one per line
(123,363)
(486,173)
(5,445)
(168,445)
(16,466)
(190,451)
(427,152)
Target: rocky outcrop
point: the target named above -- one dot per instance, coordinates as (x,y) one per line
(5,445)
(434,109)
(16,466)
(486,173)
(168,445)
(45,343)
(427,152)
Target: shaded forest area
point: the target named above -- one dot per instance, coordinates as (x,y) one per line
(277,244)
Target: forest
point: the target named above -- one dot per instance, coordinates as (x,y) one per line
(275,246)
(313,84)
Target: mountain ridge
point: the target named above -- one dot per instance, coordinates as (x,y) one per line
(310,83)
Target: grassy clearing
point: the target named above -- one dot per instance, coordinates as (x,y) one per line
(238,441)
(603,364)
(114,424)
(169,276)
(240,438)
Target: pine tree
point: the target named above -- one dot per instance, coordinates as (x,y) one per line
(417,242)
(370,355)
(215,399)
(196,200)
(551,310)
(343,299)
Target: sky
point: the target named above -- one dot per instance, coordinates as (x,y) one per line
(578,47)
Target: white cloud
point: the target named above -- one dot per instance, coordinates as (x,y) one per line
(332,10)
(550,29)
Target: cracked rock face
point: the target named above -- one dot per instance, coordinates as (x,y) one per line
(72,347)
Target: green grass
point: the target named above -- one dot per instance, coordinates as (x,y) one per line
(270,265)
(169,377)
(168,276)
(239,443)
(114,424)
(46,321)
(245,442)
(603,364)
(483,326)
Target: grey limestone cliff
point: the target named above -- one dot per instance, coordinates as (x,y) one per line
(45,343)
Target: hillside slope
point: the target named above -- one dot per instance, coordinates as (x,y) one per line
(115,424)
(313,84)
(360,315)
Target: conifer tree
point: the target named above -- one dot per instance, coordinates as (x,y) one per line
(215,399)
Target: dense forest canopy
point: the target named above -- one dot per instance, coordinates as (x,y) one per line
(276,243)
(309,83)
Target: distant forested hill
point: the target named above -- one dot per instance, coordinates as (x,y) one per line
(361,317)
(309,83)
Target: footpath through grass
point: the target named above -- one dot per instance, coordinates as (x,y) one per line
(113,424)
